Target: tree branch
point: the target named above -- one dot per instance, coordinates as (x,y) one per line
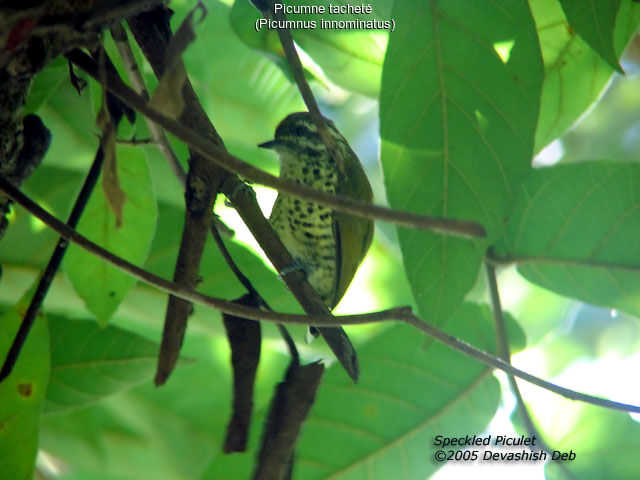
(404,314)
(223,158)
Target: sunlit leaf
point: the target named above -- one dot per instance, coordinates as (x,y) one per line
(457,124)
(604,445)
(575,74)
(350,57)
(101,285)
(574,230)
(594,20)
(89,363)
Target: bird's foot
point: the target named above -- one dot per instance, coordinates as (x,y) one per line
(297,265)
(238,186)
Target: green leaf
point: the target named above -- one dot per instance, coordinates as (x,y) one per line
(242,17)
(574,230)
(515,334)
(594,20)
(28,241)
(89,363)
(410,390)
(575,74)
(22,394)
(149,433)
(74,139)
(458,110)
(45,83)
(101,285)
(251,91)
(128,436)
(605,444)
(350,57)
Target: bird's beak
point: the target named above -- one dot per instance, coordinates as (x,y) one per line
(272,144)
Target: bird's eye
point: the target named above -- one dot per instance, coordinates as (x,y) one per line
(300,130)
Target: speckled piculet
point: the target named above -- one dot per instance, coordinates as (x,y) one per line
(329,245)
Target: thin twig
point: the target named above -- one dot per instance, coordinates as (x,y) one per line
(140,274)
(494,259)
(502,339)
(404,314)
(286,40)
(233,164)
(504,352)
(134,141)
(492,361)
(53,265)
(246,283)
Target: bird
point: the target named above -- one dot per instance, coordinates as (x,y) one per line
(328,245)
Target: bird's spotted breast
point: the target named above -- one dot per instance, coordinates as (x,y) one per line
(306,228)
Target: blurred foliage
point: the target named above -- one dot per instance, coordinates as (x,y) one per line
(468,93)
(23,393)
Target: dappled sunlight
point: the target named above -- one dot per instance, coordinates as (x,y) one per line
(503,49)
(549,155)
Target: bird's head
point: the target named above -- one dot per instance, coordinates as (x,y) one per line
(297,134)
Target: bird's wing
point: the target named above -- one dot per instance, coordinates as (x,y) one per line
(353,234)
